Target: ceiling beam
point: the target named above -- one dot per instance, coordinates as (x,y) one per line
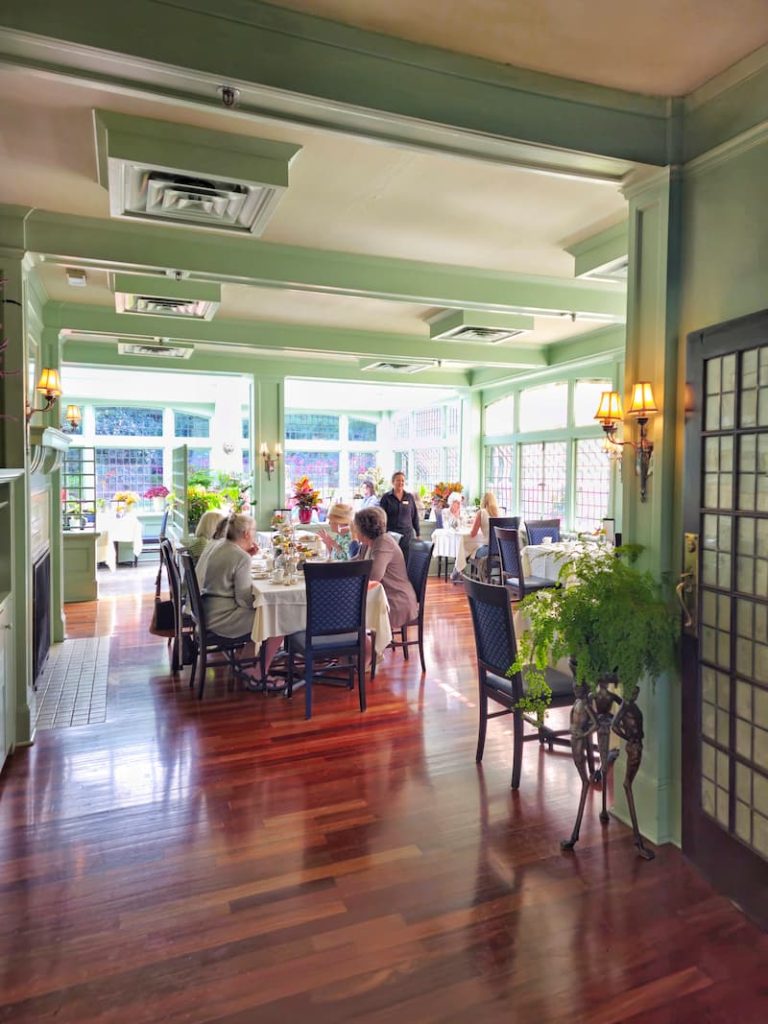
(296,339)
(287,63)
(120,245)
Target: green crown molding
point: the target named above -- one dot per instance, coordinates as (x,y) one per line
(128,246)
(330,64)
(605,247)
(298,338)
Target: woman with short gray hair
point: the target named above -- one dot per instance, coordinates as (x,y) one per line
(388,564)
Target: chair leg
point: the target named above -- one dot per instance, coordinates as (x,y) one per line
(404,640)
(203,668)
(518,726)
(421,643)
(373,655)
(193,666)
(483,704)
(308,685)
(361,676)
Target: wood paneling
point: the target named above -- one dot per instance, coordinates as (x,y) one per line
(227,861)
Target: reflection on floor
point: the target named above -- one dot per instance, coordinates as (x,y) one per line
(72,688)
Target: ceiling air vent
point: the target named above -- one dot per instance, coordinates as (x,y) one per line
(162,296)
(160,348)
(180,174)
(392,366)
(477,325)
(616,270)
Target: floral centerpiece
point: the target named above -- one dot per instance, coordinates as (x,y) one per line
(441,492)
(125,500)
(304,498)
(158,491)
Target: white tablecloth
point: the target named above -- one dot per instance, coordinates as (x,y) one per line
(456,544)
(282,610)
(113,530)
(546,560)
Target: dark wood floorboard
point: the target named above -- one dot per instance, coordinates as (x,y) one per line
(228,862)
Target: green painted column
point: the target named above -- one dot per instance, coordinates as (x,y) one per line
(652,354)
(50,355)
(268,406)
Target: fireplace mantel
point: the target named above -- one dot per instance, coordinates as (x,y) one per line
(47,447)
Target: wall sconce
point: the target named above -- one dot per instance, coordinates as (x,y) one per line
(49,386)
(609,414)
(270,461)
(73,417)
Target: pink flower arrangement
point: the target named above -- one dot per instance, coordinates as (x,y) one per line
(158,491)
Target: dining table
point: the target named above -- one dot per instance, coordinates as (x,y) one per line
(281,610)
(546,560)
(114,530)
(455,545)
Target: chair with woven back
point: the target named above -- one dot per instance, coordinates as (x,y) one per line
(417,566)
(493,562)
(335,630)
(512,572)
(183,625)
(204,641)
(539,529)
(496,647)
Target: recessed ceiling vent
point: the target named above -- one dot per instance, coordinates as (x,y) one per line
(392,366)
(161,296)
(478,325)
(180,174)
(616,270)
(159,348)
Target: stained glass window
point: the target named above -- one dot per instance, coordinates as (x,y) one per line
(187,425)
(359,463)
(322,468)
(500,472)
(115,421)
(593,484)
(127,469)
(361,430)
(198,458)
(311,426)
(543,470)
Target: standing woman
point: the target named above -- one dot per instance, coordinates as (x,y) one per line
(388,565)
(400,509)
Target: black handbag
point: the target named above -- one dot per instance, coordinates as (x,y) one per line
(163,616)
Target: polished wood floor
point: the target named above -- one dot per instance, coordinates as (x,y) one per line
(227,861)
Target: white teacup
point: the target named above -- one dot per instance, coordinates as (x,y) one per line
(546,540)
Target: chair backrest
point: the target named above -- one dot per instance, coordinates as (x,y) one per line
(163,524)
(196,608)
(336,594)
(417,566)
(499,522)
(538,529)
(493,627)
(509,553)
(172,570)
(438,518)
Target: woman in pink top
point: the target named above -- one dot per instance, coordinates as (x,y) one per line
(388,565)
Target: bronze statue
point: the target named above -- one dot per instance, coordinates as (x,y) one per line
(628,724)
(583,724)
(603,700)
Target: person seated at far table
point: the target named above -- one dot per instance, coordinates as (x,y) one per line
(204,533)
(225,585)
(370,525)
(370,500)
(338,539)
(452,515)
(488,510)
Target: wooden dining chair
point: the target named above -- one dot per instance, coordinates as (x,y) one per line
(204,641)
(183,624)
(417,566)
(538,529)
(493,562)
(336,597)
(496,648)
(512,573)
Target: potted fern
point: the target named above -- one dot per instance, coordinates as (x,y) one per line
(608,617)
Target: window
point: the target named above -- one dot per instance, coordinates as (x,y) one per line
(593,483)
(246,427)
(322,468)
(499,416)
(544,408)
(500,472)
(543,471)
(401,425)
(427,467)
(311,426)
(428,423)
(402,463)
(198,459)
(127,469)
(586,398)
(246,462)
(121,422)
(361,430)
(187,425)
(359,463)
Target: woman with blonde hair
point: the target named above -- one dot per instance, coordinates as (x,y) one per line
(338,537)
(204,533)
(488,510)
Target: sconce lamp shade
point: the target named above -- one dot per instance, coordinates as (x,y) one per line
(73,416)
(49,383)
(264,449)
(609,409)
(643,403)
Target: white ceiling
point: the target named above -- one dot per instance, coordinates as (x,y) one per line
(657,47)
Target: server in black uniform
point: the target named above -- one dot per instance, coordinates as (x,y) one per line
(401,512)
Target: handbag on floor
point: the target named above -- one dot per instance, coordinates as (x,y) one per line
(163,616)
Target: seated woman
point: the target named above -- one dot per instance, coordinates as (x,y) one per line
(205,532)
(488,510)
(225,584)
(338,538)
(369,494)
(388,565)
(452,515)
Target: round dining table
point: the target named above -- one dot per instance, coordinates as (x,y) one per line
(456,545)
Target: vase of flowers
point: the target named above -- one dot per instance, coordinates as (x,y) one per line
(305,498)
(124,501)
(441,492)
(157,495)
